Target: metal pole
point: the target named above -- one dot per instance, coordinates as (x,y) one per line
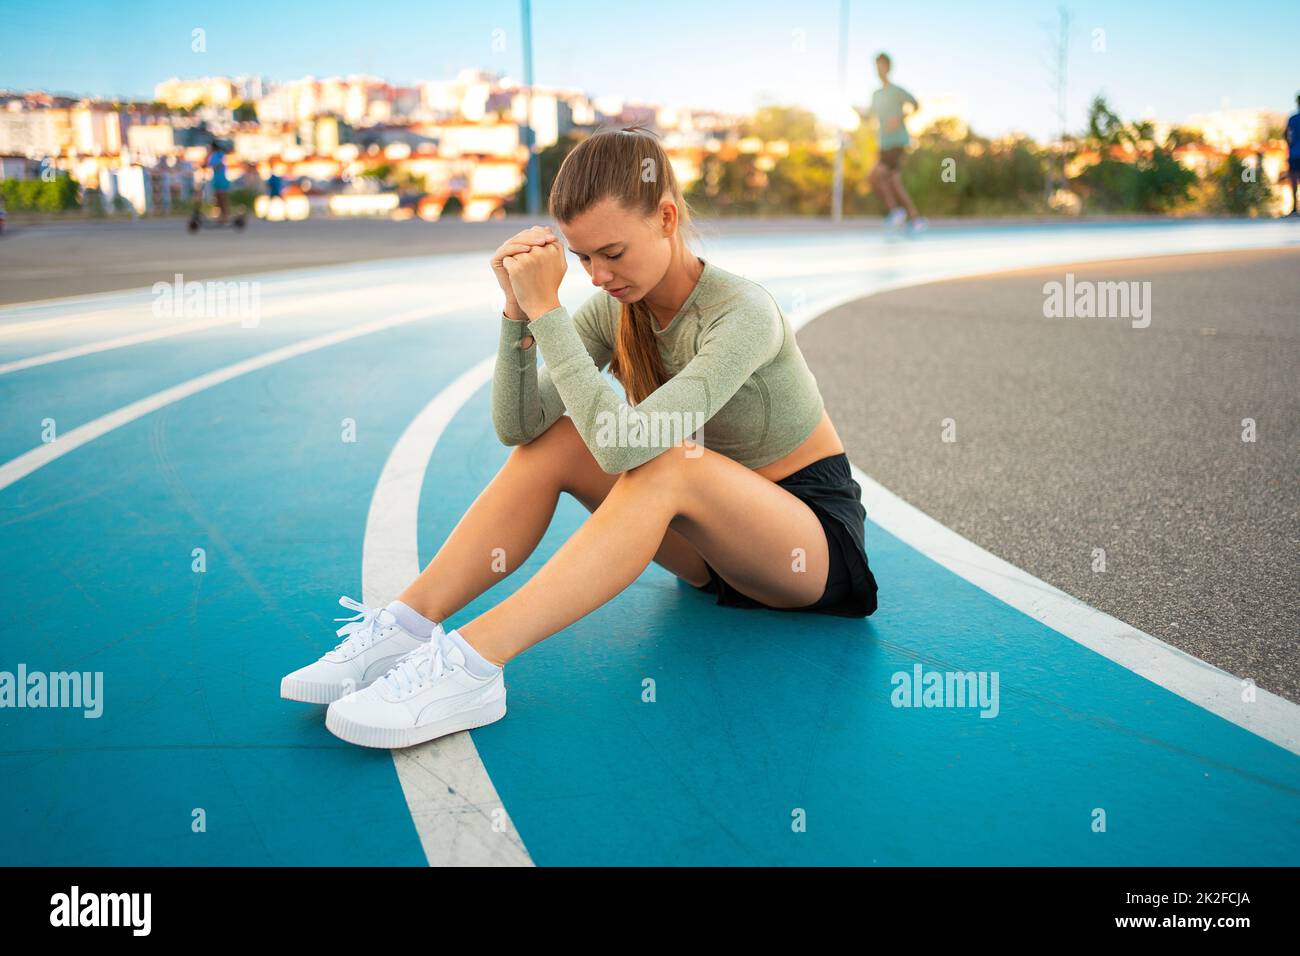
(1056,150)
(534,185)
(837,191)
(1062,98)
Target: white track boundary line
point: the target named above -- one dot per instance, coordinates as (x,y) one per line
(1274,718)
(281,282)
(452,800)
(108,345)
(29,462)
(331,302)
(45,325)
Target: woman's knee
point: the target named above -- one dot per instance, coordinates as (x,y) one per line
(563,453)
(557,440)
(672,467)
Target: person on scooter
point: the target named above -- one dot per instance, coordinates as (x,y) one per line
(216,162)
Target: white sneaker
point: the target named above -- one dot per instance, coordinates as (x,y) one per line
(374,643)
(897,216)
(919,224)
(427,694)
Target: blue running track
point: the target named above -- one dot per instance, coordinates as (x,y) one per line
(773,738)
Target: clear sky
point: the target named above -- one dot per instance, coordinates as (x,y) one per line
(1161,58)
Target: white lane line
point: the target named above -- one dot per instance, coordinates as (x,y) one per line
(330,302)
(137,305)
(121,342)
(455,807)
(44,325)
(28,462)
(914,261)
(126,303)
(1274,718)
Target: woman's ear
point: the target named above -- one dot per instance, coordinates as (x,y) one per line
(668,217)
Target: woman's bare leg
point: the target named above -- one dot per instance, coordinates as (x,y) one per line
(756,534)
(512,514)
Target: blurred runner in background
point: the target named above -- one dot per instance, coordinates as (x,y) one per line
(1293,152)
(887,105)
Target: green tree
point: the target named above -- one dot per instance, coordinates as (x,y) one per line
(790,123)
(955,173)
(1142,132)
(1164,183)
(1183,136)
(729,187)
(800,184)
(1153,182)
(1104,127)
(1110,185)
(59,195)
(1241,189)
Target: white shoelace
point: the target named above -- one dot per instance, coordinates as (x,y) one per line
(361,628)
(428,661)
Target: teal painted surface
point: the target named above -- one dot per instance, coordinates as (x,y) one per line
(96,550)
(762,714)
(758,715)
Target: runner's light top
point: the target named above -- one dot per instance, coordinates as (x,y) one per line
(732,355)
(886,104)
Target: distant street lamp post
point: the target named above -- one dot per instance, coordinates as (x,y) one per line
(534,165)
(837,192)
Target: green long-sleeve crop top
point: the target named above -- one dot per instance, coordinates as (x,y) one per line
(739,384)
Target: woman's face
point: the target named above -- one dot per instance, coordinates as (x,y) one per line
(620,250)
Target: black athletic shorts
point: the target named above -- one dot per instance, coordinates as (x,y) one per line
(828,488)
(892,157)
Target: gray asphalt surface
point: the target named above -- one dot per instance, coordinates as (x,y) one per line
(1082,433)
